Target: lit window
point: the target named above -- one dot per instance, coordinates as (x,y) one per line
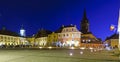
(89,40)
(83,40)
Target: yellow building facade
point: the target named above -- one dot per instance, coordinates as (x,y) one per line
(112,41)
(42,41)
(52,38)
(31,40)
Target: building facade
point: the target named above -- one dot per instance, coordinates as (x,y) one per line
(112,41)
(52,39)
(41,38)
(9,38)
(69,36)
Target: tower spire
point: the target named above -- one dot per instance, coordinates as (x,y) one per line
(84,23)
(22,26)
(84,15)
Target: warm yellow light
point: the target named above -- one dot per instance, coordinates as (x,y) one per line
(90,48)
(49,47)
(40,47)
(76,43)
(82,48)
(72,47)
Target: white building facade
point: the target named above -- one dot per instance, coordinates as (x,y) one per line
(70,36)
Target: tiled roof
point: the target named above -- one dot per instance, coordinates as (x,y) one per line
(114,36)
(60,29)
(7,32)
(42,33)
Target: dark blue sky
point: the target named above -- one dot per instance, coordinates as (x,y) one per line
(51,14)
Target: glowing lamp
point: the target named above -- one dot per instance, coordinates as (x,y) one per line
(71,54)
(40,47)
(81,52)
(49,47)
(112,27)
(90,48)
(82,48)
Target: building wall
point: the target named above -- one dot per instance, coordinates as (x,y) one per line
(89,40)
(93,45)
(12,40)
(70,36)
(114,42)
(42,41)
(9,40)
(52,38)
(31,40)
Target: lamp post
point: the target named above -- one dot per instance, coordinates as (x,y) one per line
(113,27)
(119,30)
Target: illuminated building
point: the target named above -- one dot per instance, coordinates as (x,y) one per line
(9,38)
(112,41)
(31,40)
(41,38)
(69,35)
(87,38)
(52,39)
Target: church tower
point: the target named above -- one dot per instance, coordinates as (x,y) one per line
(84,24)
(22,31)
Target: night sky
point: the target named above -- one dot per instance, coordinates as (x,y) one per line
(51,14)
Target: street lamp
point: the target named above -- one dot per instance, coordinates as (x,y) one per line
(119,30)
(113,27)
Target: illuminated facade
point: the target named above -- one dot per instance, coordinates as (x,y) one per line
(41,38)
(89,40)
(65,36)
(9,38)
(52,39)
(31,41)
(69,36)
(112,41)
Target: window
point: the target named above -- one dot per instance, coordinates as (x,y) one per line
(72,29)
(89,40)
(66,30)
(83,40)
(64,35)
(59,35)
(67,35)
